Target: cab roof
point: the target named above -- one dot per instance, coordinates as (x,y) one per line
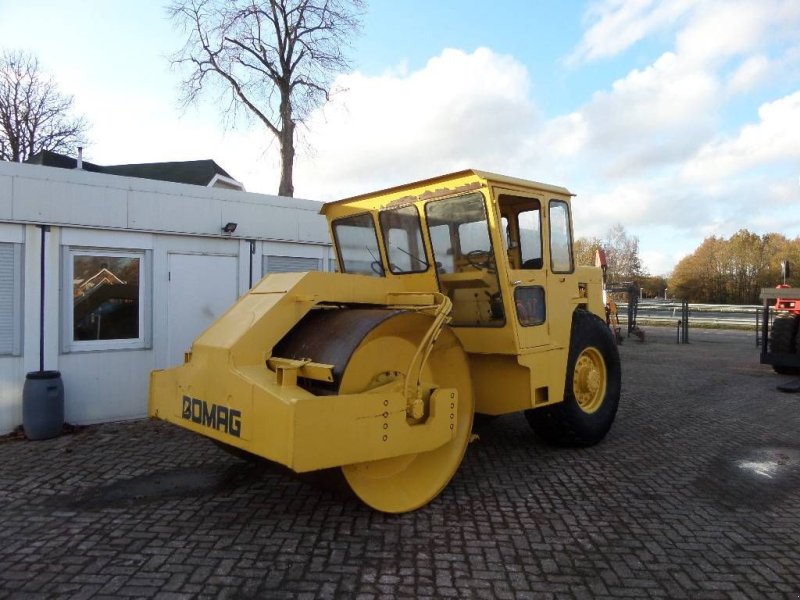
(485,176)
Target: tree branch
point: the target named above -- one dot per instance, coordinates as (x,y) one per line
(275,58)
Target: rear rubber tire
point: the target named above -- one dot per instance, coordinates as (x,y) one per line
(591,391)
(783,340)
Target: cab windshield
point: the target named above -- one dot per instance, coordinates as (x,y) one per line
(465,259)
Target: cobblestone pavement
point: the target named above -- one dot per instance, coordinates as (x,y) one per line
(694,494)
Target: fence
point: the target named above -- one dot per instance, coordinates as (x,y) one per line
(668,313)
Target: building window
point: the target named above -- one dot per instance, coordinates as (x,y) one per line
(107,301)
(10,300)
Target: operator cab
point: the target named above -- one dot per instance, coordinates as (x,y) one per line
(460,252)
(493,248)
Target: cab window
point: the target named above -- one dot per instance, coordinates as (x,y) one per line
(560,238)
(522,222)
(402,235)
(530,237)
(465,259)
(357,245)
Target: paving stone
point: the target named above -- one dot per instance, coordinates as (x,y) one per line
(670,505)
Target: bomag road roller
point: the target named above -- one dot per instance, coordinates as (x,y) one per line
(455,295)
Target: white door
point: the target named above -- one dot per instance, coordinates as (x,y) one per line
(201,288)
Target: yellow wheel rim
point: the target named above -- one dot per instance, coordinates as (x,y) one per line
(589,380)
(407,482)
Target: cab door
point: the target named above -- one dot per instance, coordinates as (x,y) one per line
(522,223)
(563,290)
(538,258)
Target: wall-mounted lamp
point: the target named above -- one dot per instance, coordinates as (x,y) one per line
(229,227)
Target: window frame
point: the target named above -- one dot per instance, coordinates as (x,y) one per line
(144,340)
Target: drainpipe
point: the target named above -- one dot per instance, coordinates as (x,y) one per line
(44,229)
(252,252)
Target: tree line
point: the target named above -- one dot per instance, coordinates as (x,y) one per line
(733,270)
(719,271)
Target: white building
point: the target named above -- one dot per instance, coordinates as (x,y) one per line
(164,241)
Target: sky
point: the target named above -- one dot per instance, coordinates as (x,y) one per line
(678,119)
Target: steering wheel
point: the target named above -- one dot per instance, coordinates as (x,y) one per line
(482,259)
(376,267)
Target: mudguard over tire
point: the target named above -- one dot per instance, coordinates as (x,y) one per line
(591,393)
(783,340)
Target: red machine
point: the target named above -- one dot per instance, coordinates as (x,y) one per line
(782,350)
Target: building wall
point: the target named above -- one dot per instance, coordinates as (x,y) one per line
(157,226)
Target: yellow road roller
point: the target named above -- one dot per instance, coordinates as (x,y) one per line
(454,296)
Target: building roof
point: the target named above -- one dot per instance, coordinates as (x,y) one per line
(195,172)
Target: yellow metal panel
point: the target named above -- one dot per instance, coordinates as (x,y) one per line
(300,430)
(548,372)
(353,428)
(501,385)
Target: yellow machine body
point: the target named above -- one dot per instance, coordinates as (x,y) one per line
(454,295)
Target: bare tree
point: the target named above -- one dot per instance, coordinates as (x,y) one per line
(275,58)
(34,115)
(622,253)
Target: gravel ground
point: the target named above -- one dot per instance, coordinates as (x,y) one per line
(694,494)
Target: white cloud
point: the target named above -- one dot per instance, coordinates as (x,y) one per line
(656,118)
(629,203)
(652,116)
(663,113)
(706,31)
(658,262)
(619,24)
(722,29)
(775,138)
(567,135)
(749,74)
(461,110)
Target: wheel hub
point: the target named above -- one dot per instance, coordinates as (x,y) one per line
(589,380)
